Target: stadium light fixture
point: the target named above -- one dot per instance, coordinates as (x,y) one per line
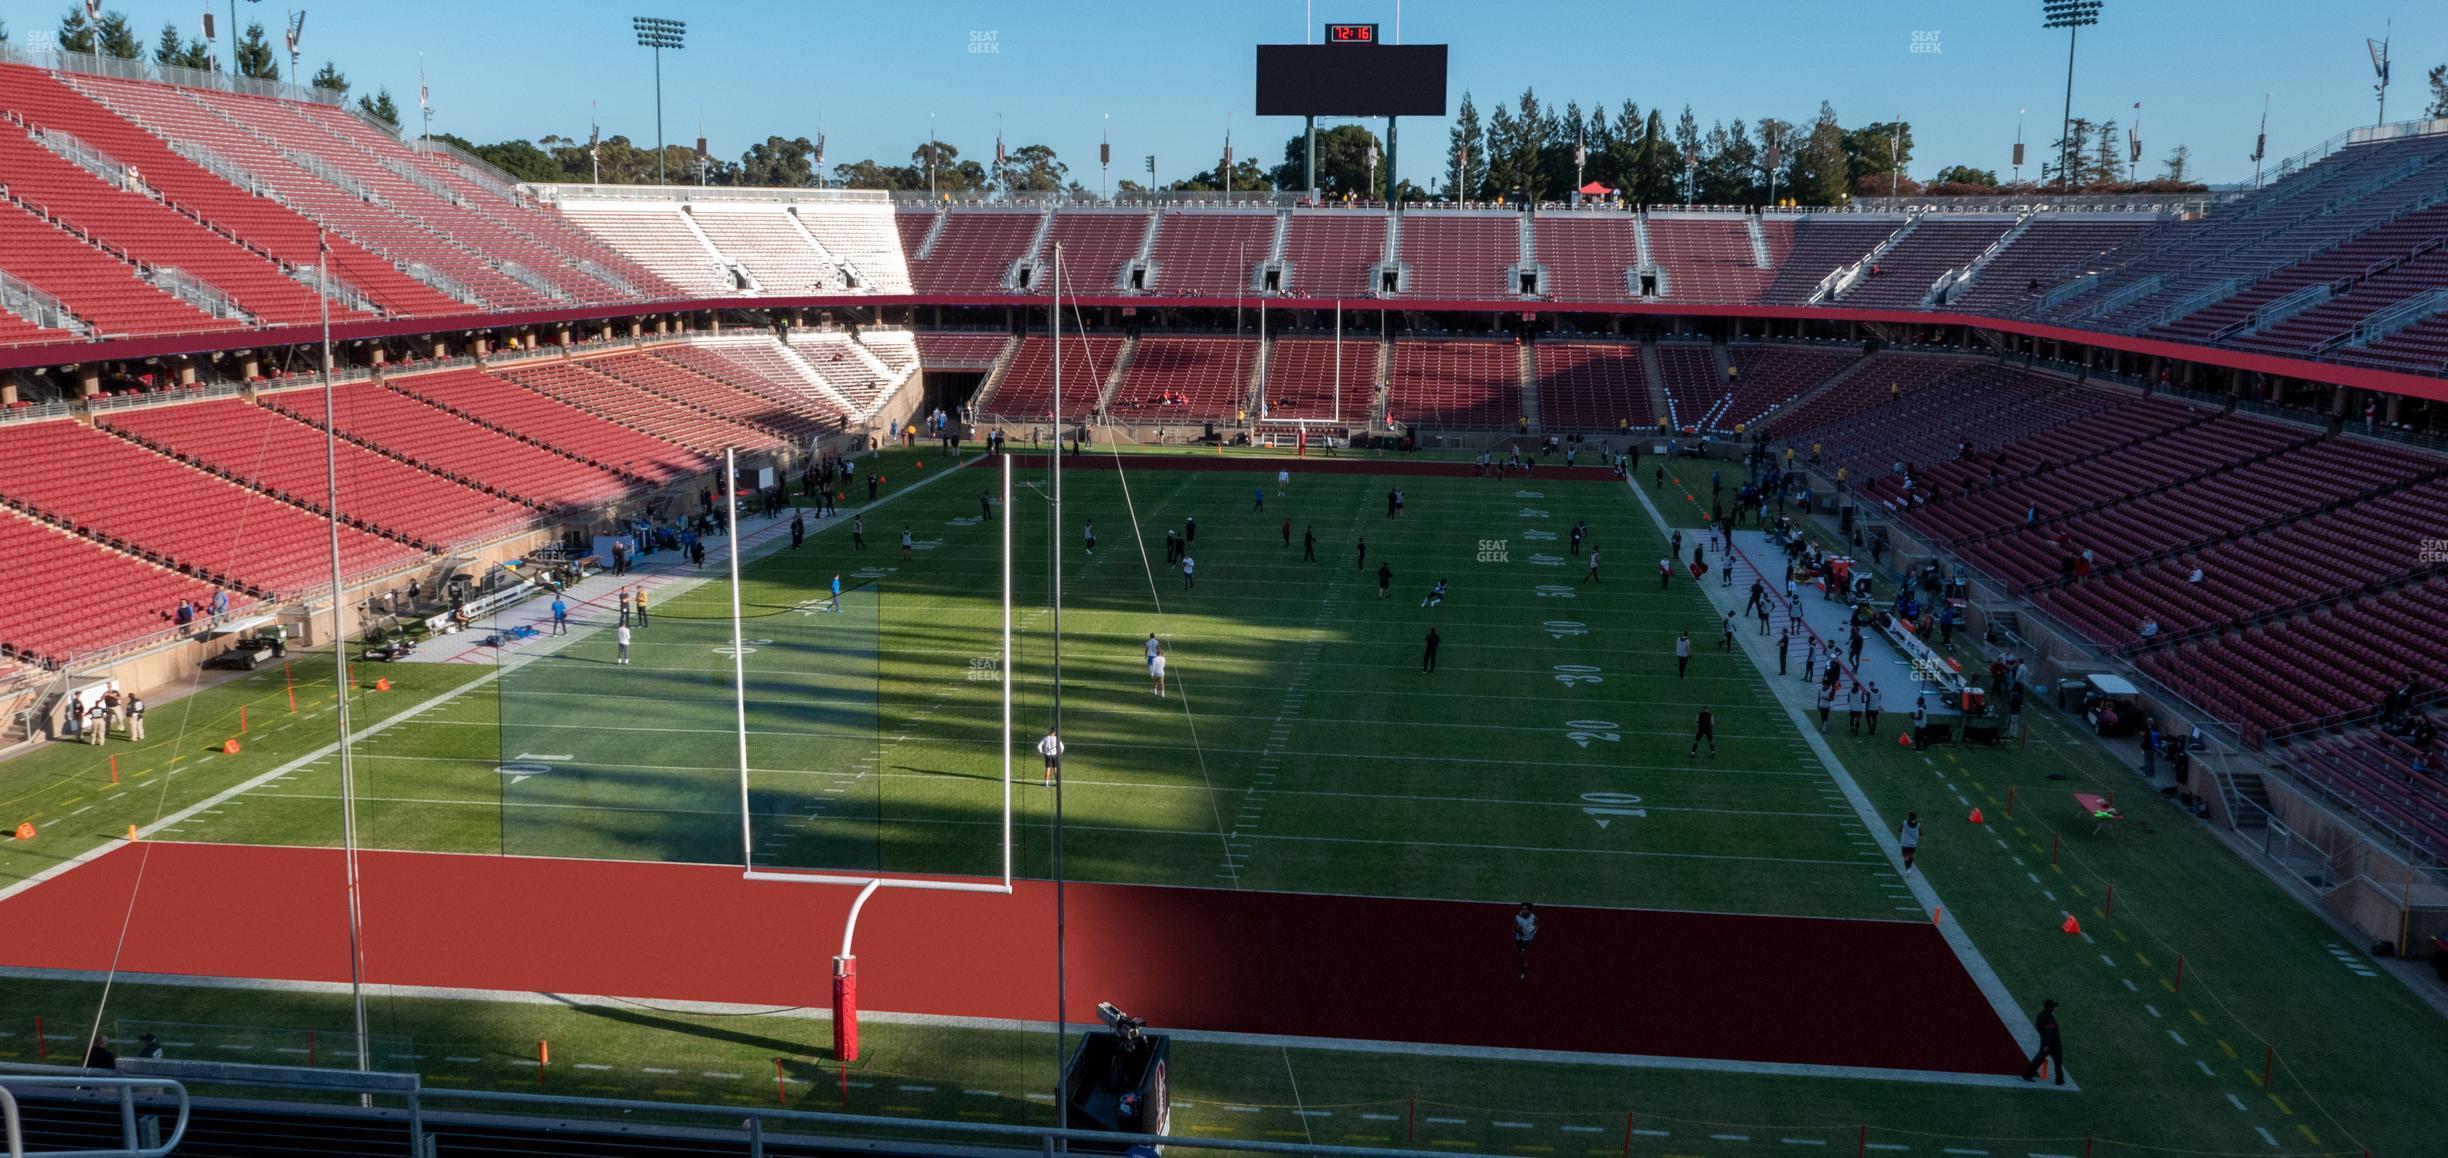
(657,33)
(2071,15)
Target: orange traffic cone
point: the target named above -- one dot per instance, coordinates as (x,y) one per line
(229,747)
(1976,816)
(383,684)
(1904,739)
(25,831)
(2072,927)
(922,464)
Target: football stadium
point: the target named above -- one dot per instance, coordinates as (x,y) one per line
(1560,633)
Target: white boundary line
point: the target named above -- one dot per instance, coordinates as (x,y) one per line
(2000,1000)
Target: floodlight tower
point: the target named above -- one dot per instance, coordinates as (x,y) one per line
(658,34)
(2071,15)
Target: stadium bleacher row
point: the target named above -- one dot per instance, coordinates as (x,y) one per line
(229,493)
(149,209)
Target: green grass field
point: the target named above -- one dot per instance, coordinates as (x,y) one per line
(1301,749)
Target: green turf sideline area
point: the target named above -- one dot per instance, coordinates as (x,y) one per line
(1324,760)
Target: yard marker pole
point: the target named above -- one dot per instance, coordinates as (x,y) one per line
(781,1088)
(739,658)
(310,1049)
(543,1059)
(340,672)
(2054,842)
(1863,1147)
(1627,1146)
(242,718)
(2109,907)
(114,769)
(1411,1119)
(2180,973)
(290,681)
(42,1049)
(2010,803)
(2269,1061)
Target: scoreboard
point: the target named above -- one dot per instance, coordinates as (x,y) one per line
(1334,80)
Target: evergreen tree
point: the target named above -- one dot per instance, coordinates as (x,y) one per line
(330,77)
(76,34)
(2179,160)
(114,37)
(1730,166)
(1503,175)
(1819,172)
(255,58)
(1687,148)
(1600,135)
(1529,135)
(1622,166)
(2107,156)
(1465,155)
(173,50)
(1658,169)
(1563,135)
(380,107)
(2437,78)
(2075,144)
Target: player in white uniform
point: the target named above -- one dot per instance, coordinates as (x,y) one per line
(1155,664)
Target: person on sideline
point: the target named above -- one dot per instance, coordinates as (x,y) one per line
(1052,749)
(2052,1046)
(621,636)
(1525,930)
(1908,838)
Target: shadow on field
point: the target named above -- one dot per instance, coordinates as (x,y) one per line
(645,1019)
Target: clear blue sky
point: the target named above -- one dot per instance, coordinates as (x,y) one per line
(1173,76)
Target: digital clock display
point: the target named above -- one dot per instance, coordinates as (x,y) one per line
(1351,34)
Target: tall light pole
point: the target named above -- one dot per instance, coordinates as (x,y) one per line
(1105,159)
(2071,15)
(235,70)
(658,34)
(2018,149)
(2380,69)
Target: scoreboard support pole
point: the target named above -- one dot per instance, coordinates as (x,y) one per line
(1309,162)
(1389,166)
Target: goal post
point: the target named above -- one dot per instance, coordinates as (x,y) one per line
(845,964)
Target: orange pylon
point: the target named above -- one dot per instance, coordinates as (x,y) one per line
(1976,816)
(2072,927)
(25,830)
(132,833)
(383,684)
(229,747)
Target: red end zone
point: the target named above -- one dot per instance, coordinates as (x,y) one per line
(1788,990)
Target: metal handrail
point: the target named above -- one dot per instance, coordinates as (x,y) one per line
(127,1088)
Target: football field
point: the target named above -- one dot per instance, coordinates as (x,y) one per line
(1300,748)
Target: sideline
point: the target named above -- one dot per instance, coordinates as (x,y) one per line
(2001,1001)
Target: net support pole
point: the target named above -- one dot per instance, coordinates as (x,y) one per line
(739,655)
(1007,670)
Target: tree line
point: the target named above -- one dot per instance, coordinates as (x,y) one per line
(1525,148)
